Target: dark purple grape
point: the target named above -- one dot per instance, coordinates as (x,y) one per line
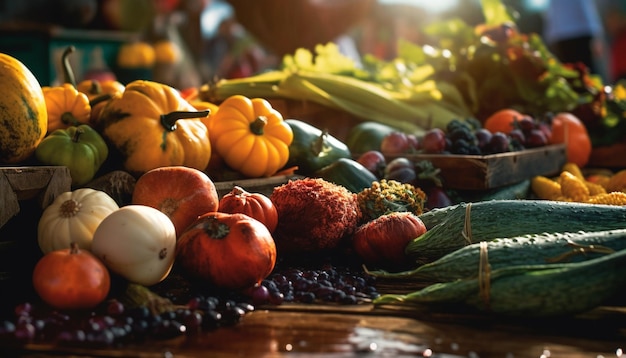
(499,143)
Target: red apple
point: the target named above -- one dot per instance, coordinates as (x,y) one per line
(434,141)
(374,161)
(182,193)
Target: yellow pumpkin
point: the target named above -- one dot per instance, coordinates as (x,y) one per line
(94,88)
(66,107)
(166,51)
(99,92)
(250,136)
(137,54)
(23,113)
(73,216)
(152,126)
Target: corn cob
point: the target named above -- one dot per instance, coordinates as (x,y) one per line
(617,182)
(612,198)
(525,290)
(574,169)
(456,226)
(594,189)
(545,188)
(573,187)
(535,249)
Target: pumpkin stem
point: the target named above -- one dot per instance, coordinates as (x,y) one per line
(318,146)
(168,121)
(73,247)
(216,229)
(258,125)
(68,73)
(95,88)
(68,119)
(237,190)
(99,99)
(77,134)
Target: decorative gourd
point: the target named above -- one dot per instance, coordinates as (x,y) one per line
(95,88)
(66,107)
(137,54)
(137,242)
(23,113)
(382,241)
(80,148)
(255,205)
(231,251)
(250,136)
(166,52)
(73,216)
(71,279)
(152,126)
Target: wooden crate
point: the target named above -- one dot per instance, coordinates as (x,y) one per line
(256,185)
(480,172)
(40,183)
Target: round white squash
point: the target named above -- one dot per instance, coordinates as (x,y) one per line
(137,242)
(73,216)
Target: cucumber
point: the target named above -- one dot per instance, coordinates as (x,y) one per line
(526,290)
(532,249)
(488,220)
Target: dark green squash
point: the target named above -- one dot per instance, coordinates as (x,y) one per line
(367,136)
(313,148)
(348,173)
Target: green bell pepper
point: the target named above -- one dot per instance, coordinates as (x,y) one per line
(80,148)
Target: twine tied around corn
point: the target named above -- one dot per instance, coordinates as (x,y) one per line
(484,274)
(467,224)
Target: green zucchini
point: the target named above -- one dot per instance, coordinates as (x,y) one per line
(532,249)
(456,226)
(348,173)
(313,148)
(367,135)
(526,290)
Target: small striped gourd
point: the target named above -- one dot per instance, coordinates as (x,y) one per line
(23,114)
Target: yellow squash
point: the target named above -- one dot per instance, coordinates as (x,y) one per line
(23,114)
(152,126)
(250,136)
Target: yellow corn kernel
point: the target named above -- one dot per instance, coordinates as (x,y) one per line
(574,169)
(573,188)
(617,181)
(545,188)
(594,189)
(612,198)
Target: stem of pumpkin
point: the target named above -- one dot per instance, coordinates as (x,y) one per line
(68,119)
(68,73)
(99,99)
(258,125)
(168,121)
(216,229)
(77,135)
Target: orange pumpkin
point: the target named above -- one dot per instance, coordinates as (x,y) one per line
(255,205)
(231,251)
(99,93)
(71,279)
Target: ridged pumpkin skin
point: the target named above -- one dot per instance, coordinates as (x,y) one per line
(131,122)
(23,114)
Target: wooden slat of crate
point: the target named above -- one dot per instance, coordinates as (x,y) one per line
(43,183)
(260,185)
(473,172)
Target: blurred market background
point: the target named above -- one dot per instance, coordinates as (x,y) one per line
(236,38)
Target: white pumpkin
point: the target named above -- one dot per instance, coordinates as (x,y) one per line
(73,216)
(137,242)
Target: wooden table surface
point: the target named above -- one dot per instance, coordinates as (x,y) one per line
(307,330)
